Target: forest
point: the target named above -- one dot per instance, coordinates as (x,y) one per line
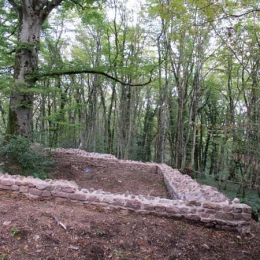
(173,82)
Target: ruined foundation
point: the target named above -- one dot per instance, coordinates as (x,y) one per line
(190,200)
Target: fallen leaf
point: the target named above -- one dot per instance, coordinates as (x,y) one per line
(205,246)
(73,247)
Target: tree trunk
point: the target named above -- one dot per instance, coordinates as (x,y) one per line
(163,100)
(31,15)
(26,59)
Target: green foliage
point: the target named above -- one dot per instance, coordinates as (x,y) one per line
(118,252)
(21,157)
(190,37)
(232,190)
(3,256)
(8,31)
(15,231)
(101,233)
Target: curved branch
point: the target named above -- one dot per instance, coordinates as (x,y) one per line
(15,6)
(227,15)
(48,7)
(77,3)
(242,14)
(88,71)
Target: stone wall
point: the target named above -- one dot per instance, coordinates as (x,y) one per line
(190,200)
(107,161)
(183,187)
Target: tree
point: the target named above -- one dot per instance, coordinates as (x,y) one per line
(31,15)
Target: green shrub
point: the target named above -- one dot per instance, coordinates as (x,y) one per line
(22,157)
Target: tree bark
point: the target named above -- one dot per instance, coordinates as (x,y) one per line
(31,15)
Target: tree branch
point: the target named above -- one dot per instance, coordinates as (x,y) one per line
(48,7)
(77,3)
(88,71)
(227,15)
(15,6)
(243,14)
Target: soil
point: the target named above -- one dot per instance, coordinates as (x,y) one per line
(111,180)
(40,229)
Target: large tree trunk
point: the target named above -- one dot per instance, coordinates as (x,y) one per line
(26,59)
(31,15)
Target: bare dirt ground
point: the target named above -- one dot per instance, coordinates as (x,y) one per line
(29,228)
(111,180)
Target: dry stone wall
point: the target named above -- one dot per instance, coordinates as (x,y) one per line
(190,200)
(108,161)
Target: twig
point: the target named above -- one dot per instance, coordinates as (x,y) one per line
(31,254)
(59,223)
(49,246)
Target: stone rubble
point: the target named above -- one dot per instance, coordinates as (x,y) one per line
(83,153)
(190,200)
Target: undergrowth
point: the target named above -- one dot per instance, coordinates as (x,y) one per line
(21,157)
(232,190)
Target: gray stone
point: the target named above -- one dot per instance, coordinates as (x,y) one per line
(193,203)
(29,184)
(92,198)
(210,211)
(7,182)
(159,209)
(46,193)
(242,217)
(19,182)
(206,220)
(147,207)
(34,191)
(60,194)
(77,196)
(225,216)
(14,187)
(237,210)
(183,210)
(118,201)
(68,189)
(5,187)
(228,208)
(23,189)
(134,204)
(210,205)
(247,209)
